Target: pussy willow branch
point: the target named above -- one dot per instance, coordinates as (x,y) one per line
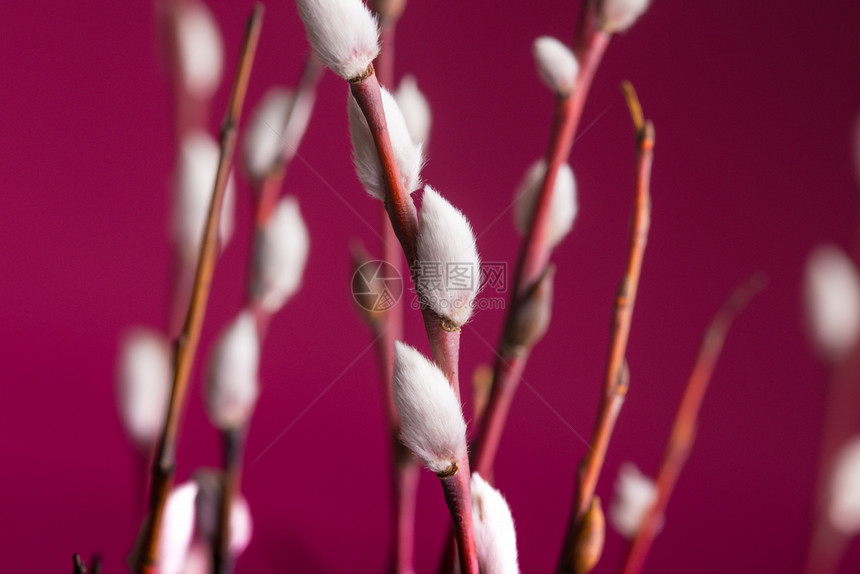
(458,495)
(686,421)
(185,346)
(444,344)
(406,470)
(535,250)
(615,382)
(268,188)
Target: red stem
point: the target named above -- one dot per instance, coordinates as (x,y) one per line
(458,496)
(534,254)
(407,470)
(493,421)
(398,203)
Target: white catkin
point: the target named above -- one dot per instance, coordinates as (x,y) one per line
(448,268)
(556,64)
(343,34)
(432,424)
(563,205)
(832,293)
(283,254)
(495,535)
(232,385)
(407,154)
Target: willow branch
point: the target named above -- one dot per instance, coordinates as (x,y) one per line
(234,441)
(686,421)
(185,346)
(535,250)
(616,379)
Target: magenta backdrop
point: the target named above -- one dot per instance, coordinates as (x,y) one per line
(753,104)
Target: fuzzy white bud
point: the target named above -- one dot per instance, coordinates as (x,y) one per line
(844,505)
(232,384)
(178,530)
(195,182)
(143,380)
(556,64)
(635,493)
(283,254)
(368,166)
(432,424)
(446,243)
(241,526)
(268,137)
(495,536)
(343,34)
(415,108)
(832,290)
(201,50)
(619,15)
(563,206)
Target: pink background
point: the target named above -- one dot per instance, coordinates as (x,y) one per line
(753,104)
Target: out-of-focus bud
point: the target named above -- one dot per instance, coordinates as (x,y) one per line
(143,384)
(532,317)
(556,64)
(844,506)
(832,290)
(195,182)
(589,542)
(635,493)
(233,386)
(201,50)
(618,15)
(282,257)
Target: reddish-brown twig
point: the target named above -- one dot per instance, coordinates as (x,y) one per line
(406,469)
(444,342)
(458,494)
(535,250)
(615,382)
(398,203)
(234,443)
(686,421)
(185,346)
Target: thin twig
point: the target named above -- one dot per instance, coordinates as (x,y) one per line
(406,468)
(535,250)
(457,489)
(234,442)
(686,421)
(185,346)
(616,381)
